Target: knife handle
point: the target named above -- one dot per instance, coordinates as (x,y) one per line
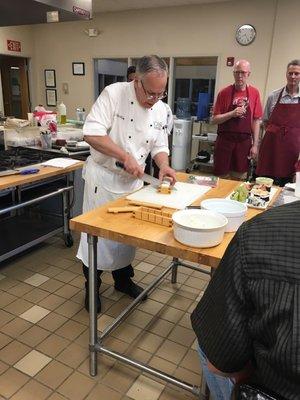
(120,164)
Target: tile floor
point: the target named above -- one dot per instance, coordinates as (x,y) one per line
(44,330)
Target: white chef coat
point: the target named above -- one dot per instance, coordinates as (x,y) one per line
(138,131)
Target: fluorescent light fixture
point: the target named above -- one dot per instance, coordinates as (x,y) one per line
(52,16)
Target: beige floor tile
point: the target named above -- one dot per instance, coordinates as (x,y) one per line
(191,361)
(6,298)
(104,364)
(139,318)
(103,392)
(83,339)
(32,390)
(3,367)
(18,307)
(195,345)
(11,381)
(52,301)
(138,354)
(35,295)
(188,376)
(77,386)
(180,302)
(4,340)
(139,255)
(171,351)
(78,281)
(7,284)
(60,262)
(162,365)
(16,327)
(196,283)
(35,314)
(116,308)
(154,258)
(54,374)
(67,291)
(112,294)
(82,316)
(52,285)
(107,278)
(33,336)
(120,378)
(150,306)
(189,292)
(2,277)
(69,309)
(149,342)
(53,345)
(182,335)
(52,271)
(171,314)
(5,317)
(20,289)
(126,332)
(160,327)
(73,355)
(52,321)
(169,393)
(161,296)
(116,344)
(185,321)
(56,396)
(66,276)
(13,352)
(32,363)
(70,330)
(36,280)
(144,266)
(103,322)
(145,388)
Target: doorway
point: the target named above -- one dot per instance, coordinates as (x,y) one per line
(15,89)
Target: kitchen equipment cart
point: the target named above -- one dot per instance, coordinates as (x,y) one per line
(142,234)
(26,216)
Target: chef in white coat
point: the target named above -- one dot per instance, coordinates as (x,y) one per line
(127,122)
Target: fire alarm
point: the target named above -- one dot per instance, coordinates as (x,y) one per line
(230,61)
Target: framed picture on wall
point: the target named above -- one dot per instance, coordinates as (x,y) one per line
(50,80)
(78,68)
(51,98)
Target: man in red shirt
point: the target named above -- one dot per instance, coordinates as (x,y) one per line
(237,112)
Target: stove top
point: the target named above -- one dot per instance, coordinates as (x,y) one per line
(20,157)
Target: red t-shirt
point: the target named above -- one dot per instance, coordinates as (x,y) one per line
(222,105)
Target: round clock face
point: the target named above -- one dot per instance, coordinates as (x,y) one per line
(245,34)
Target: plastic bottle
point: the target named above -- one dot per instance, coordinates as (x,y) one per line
(62,110)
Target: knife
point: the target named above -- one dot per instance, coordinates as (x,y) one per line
(27,171)
(145,177)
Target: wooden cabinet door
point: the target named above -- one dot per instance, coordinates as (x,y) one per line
(15,86)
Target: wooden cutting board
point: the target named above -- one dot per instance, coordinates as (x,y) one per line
(184,195)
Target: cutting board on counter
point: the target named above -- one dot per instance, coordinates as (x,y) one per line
(184,195)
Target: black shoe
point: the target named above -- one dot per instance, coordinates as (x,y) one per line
(131,289)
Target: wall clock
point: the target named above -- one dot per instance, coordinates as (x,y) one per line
(245,34)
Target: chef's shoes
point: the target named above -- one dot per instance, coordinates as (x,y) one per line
(130,288)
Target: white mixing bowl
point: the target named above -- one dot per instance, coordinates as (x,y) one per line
(199,228)
(233,210)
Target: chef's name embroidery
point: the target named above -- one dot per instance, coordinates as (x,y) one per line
(157,125)
(120,116)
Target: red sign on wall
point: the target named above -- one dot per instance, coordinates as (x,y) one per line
(13,45)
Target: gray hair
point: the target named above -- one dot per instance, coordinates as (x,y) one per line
(151,63)
(293,62)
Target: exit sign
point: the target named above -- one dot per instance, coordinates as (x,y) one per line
(13,45)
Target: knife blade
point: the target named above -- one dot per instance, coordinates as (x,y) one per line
(145,177)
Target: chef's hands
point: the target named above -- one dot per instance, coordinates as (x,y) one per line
(253,152)
(166,172)
(239,112)
(132,167)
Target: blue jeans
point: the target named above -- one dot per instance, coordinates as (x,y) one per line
(219,386)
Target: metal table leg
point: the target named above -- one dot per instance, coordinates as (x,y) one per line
(92,252)
(174,270)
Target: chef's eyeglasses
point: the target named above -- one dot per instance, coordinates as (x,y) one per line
(151,96)
(244,73)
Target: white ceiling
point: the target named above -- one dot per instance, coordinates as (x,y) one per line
(121,5)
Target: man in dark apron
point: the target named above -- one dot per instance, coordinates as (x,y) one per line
(280,146)
(237,111)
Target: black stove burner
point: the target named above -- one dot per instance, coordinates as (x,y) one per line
(20,157)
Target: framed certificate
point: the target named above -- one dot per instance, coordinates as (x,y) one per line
(51,98)
(50,80)
(78,68)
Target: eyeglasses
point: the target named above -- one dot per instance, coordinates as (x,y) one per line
(244,73)
(152,96)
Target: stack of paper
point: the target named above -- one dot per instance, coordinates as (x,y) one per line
(60,162)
